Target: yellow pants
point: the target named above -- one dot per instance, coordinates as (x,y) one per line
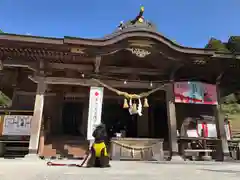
(98,148)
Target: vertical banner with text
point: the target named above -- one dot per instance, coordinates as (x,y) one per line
(94,110)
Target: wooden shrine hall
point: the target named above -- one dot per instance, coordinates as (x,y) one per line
(52,78)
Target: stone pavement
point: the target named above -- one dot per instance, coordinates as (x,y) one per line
(37,170)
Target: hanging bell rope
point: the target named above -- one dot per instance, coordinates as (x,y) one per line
(134,108)
(125,104)
(127,95)
(145,104)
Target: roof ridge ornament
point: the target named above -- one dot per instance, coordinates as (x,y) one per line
(138,21)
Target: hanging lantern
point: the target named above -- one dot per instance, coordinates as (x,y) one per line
(125,104)
(146,105)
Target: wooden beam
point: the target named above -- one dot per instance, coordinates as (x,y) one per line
(20,63)
(108,69)
(126,70)
(91,82)
(81,67)
(26,93)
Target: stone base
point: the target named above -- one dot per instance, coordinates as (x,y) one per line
(32,157)
(176,158)
(227,157)
(207,158)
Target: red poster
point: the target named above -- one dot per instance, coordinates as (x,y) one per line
(195,93)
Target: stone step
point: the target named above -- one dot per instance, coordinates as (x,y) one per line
(49,151)
(69,147)
(76,152)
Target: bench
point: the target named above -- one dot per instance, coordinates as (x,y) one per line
(196,153)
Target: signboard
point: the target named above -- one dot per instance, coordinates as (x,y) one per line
(195,93)
(17,125)
(94,110)
(211,131)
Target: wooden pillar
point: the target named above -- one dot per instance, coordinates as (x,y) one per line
(143,124)
(14,98)
(41,143)
(37,118)
(172,122)
(222,148)
(85,118)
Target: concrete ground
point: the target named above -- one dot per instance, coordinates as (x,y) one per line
(37,170)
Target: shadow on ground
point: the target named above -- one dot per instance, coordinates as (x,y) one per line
(185,162)
(221,171)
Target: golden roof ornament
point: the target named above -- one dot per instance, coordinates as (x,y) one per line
(137,21)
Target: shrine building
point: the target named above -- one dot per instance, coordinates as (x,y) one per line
(52,78)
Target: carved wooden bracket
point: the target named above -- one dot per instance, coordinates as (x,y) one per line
(97,64)
(41,67)
(141,53)
(174,71)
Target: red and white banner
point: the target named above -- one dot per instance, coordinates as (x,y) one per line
(195,93)
(94,110)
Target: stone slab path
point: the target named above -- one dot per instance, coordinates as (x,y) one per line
(37,170)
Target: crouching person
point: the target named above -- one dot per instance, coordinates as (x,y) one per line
(99,155)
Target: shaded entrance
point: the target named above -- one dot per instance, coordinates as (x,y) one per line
(116,118)
(160,120)
(72,118)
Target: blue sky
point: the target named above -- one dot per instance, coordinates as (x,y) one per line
(189,22)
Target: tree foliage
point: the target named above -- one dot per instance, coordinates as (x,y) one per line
(231,46)
(230,104)
(217,45)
